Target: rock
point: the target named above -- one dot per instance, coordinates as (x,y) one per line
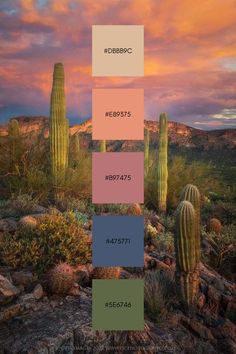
(38,292)
(28,220)
(227,346)
(82,275)
(89,239)
(168,260)
(161,265)
(198,328)
(7,290)
(1,237)
(201,301)
(225,329)
(74,291)
(22,278)
(8,225)
(10,311)
(218,284)
(31,220)
(38,209)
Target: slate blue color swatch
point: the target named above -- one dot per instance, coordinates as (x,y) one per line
(118,241)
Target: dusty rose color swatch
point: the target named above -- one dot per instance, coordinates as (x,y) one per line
(118,50)
(118,114)
(117,177)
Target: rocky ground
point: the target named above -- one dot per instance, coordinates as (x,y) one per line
(32,321)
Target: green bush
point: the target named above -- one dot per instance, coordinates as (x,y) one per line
(224,246)
(21,204)
(182,172)
(225,211)
(57,237)
(165,242)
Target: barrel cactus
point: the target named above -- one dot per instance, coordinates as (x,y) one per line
(214,225)
(60,279)
(187,251)
(134,210)
(191,194)
(162,169)
(15,143)
(146,151)
(59,130)
(103,146)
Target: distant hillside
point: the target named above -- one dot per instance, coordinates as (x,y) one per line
(180,135)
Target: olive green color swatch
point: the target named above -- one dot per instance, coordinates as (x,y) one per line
(118,304)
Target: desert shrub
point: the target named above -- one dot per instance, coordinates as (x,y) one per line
(111,208)
(72,204)
(180,173)
(164,242)
(225,211)
(150,232)
(37,183)
(224,246)
(57,237)
(79,180)
(82,218)
(20,204)
(159,291)
(167,220)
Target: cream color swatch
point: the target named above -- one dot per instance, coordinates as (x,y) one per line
(118,50)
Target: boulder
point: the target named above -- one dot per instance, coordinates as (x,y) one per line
(31,220)
(38,292)
(7,290)
(8,225)
(24,278)
(9,312)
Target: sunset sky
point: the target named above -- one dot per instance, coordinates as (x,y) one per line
(190,57)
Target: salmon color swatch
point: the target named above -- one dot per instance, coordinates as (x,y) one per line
(117,177)
(118,114)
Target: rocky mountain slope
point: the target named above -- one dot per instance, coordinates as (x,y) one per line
(179,133)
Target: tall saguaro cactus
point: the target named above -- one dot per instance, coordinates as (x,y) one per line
(103,146)
(15,144)
(162,167)
(146,150)
(187,252)
(191,194)
(59,130)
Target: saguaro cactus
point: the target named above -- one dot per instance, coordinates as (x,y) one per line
(186,249)
(191,194)
(146,150)
(75,150)
(162,168)
(103,146)
(15,144)
(59,130)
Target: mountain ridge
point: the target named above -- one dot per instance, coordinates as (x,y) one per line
(179,133)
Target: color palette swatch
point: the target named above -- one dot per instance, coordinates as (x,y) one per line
(118,241)
(118,304)
(117,177)
(117,50)
(118,114)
